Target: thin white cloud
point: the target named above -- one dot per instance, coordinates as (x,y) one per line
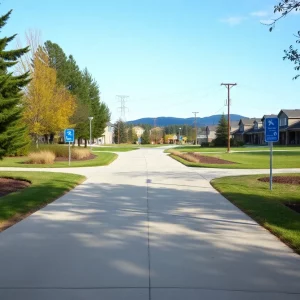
(232,21)
(266,21)
(260,13)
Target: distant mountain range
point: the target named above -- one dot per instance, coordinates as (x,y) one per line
(165,121)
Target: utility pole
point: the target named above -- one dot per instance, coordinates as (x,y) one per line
(228,86)
(195,113)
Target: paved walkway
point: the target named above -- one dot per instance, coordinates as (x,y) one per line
(145,227)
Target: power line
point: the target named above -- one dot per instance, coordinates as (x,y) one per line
(228,86)
(195,113)
(122,108)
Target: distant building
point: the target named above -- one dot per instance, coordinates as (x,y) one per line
(252,131)
(107,136)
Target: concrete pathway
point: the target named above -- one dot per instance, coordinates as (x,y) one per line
(145,227)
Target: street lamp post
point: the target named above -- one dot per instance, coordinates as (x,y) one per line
(179,135)
(91,118)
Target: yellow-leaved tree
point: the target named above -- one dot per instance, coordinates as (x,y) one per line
(48,106)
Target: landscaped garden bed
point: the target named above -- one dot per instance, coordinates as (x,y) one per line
(10,185)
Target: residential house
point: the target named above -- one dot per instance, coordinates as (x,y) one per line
(252,131)
(210,132)
(107,136)
(245,130)
(289,126)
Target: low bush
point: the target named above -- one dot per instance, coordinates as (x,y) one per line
(187,156)
(80,153)
(235,143)
(58,150)
(205,144)
(41,157)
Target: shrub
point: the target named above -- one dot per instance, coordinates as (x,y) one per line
(235,143)
(205,144)
(80,153)
(187,156)
(41,157)
(58,150)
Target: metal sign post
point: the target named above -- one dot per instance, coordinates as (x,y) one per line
(69,137)
(69,154)
(271,135)
(271,165)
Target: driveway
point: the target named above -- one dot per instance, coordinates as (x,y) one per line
(145,227)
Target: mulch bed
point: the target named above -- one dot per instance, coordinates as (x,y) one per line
(92,156)
(8,185)
(282,179)
(293,206)
(211,160)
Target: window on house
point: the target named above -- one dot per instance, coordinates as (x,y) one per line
(283,122)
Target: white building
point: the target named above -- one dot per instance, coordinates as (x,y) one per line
(107,136)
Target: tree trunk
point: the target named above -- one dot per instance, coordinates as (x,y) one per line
(85,143)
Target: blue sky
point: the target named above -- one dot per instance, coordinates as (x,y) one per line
(170,56)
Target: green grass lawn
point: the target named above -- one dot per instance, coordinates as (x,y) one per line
(45,187)
(251,160)
(223,149)
(265,206)
(101,159)
(114,148)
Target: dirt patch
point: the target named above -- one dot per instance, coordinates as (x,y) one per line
(293,206)
(9,185)
(282,179)
(92,156)
(211,160)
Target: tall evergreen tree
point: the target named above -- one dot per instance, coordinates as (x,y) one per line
(120,134)
(85,88)
(129,134)
(11,130)
(146,137)
(222,132)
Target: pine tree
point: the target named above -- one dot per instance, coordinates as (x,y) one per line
(146,137)
(129,134)
(120,132)
(222,132)
(12,131)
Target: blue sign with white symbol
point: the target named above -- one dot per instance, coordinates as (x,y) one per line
(271,130)
(69,135)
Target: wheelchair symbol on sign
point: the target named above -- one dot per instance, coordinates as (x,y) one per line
(270,122)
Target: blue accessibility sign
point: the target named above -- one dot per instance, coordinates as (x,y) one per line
(69,135)
(271,130)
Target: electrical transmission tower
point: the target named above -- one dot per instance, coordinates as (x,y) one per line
(122,108)
(228,86)
(195,113)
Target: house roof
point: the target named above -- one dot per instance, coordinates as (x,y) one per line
(234,123)
(291,113)
(109,124)
(237,131)
(294,126)
(250,121)
(250,130)
(268,116)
